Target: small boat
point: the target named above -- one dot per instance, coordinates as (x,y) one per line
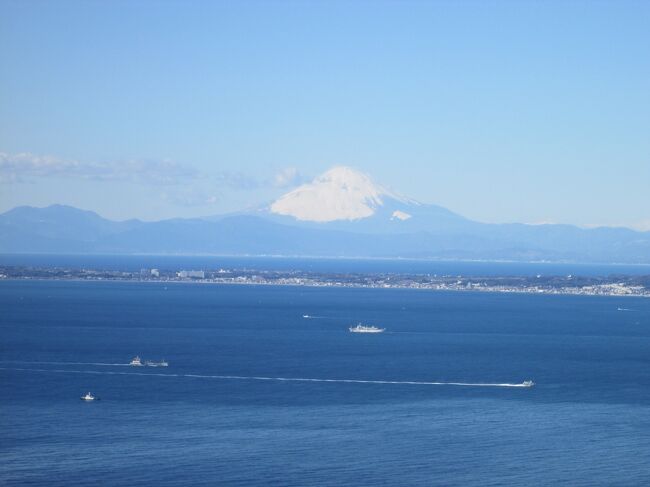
(162,363)
(88,397)
(365,329)
(136,362)
(528,383)
(306,316)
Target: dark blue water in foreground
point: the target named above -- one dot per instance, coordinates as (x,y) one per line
(586,422)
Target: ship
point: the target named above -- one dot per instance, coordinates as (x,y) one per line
(136,361)
(88,397)
(365,329)
(162,363)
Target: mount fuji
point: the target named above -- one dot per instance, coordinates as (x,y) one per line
(340,194)
(349,200)
(342,212)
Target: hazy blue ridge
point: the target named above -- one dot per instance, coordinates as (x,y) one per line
(432,232)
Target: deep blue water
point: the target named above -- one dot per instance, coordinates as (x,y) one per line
(408,266)
(586,422)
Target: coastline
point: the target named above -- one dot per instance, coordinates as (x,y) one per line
(605,290)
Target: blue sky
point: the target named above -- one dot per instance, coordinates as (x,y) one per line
(500,111)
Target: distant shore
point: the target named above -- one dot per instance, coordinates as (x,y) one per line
(638,286)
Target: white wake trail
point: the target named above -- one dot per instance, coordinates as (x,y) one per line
(279,379)
(358,381)
(93,372)
(104,364)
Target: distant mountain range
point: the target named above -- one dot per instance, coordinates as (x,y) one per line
(341,213)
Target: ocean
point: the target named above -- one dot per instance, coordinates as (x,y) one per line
(379,410)
(324,265)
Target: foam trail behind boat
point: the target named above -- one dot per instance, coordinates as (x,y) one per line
(281,379)
(103,364)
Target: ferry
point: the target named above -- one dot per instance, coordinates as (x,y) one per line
(528,383)
(162,363)
(136,362)
(365,329)
(88,397)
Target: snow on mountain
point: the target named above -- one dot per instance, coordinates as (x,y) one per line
(340,194)
(400,215)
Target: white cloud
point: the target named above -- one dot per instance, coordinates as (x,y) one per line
(25,166)
(288,177)
(177,184)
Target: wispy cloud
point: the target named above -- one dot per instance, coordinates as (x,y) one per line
(189,197)
(176,184)
(288,177)
(25,166)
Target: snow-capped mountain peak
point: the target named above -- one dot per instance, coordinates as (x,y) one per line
(341,193)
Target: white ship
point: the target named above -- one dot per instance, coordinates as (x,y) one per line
(162,363)
(87,397)
(365,329)
(136,361)
(528,383)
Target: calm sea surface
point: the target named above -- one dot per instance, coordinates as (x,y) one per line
(407,266)
(219,415)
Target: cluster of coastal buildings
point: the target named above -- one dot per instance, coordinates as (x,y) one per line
(590,286)
(614,289)
(155,273)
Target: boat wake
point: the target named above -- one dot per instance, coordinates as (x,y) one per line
(360,381)
(103,364)
(525,384)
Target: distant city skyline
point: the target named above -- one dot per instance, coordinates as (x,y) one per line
(501,112)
